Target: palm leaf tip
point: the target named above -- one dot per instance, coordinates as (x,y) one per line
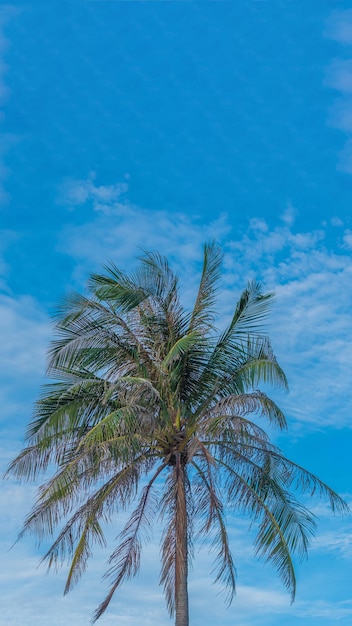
(202,315)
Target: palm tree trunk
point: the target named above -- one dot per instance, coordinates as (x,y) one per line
(181,563)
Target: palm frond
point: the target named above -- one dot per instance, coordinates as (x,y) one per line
(256,364)
(176,544)
(202,315)
(168,558)
(125,560)
(240,405)
(282,530)
(234,366)
(182,346)
(117,288)
(210,506)
(251,311)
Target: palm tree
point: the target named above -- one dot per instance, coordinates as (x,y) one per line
(150,405)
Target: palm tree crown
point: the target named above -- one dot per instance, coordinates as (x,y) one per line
(151,407)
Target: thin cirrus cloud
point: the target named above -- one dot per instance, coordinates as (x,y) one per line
(311,320)
(104,198)
(116,229)
(337,542)
(25,332)
(339,26)
(339,75)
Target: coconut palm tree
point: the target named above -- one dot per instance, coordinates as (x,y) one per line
(150,408)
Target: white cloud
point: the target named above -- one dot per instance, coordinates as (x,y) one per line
(334,541)
(24,329)
(339,75)
(311,327)
(334,611)
(30,596)
(6,238)
(347,239)
(340,114)
(339,26)
(288,216)
(119,230)
(103,198)
(25,332)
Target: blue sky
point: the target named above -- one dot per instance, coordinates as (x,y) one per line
(163,125)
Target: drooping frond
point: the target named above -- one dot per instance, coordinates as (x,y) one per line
(30,462)
(300,479)
(84,526)
(241,405)
(125,559)
(256,364)
(210,508)
(276,542)
(177,541)
(71,485)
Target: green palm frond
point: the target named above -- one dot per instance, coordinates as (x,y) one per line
(246,324)
(117,289)
(251,311)
(203,313)
(182,347)
(279,534)
(257,364)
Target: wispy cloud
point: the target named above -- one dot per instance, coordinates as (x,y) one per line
(312,326)
(334,611)
(339,75)
(116,229)
(337,542)
(107,199)
(24,331)
(339,26)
